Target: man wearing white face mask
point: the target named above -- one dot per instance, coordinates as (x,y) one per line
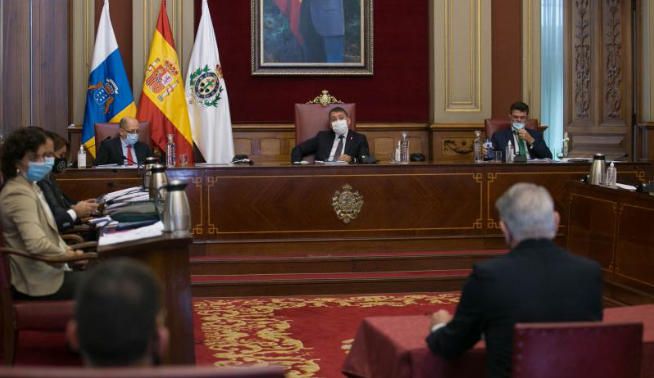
(526,142)
(338,144)
(125,149)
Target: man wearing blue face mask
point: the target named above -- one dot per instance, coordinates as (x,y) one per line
(124,149)
(526,142)
(338,144)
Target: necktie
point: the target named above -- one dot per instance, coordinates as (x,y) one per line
(522,148)
(339,148)
(130,156)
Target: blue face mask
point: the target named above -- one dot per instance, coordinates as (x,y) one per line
(518,125)
(36,171)
(49,161)
(131,139)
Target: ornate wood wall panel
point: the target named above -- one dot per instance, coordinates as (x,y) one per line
(615,228)
(34,85)
(424,206)
(598,80)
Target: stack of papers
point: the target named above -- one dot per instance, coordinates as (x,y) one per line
(119,194)
(151,231)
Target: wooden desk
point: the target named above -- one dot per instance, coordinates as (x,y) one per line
(168,257)
(616,228)
(277,209)
(394,346)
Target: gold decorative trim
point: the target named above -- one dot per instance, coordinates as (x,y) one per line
(211,228)
(198,229)
(347,204)
(477,224)
(325,99)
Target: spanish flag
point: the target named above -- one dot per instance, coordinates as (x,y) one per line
(108,93)
(163,101)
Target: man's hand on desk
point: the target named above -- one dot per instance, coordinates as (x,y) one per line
(439,319)
(84,209)
(346,158)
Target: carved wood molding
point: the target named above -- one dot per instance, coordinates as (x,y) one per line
(614,61)
(582,66)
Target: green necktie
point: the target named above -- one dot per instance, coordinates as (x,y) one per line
(522,148)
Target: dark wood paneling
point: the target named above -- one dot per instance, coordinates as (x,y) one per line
(275,209)
(50,69)
(121,18)
(506,54)
(15,81)
(615,228)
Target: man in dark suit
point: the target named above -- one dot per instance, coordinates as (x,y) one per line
(338,144)
(125,148)
(67,212)
(535,282)
(526,142)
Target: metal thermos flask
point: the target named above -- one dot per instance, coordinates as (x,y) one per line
(176,212)
(147,170)
(597,170)
(158,178)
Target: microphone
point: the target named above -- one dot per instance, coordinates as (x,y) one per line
(129,161)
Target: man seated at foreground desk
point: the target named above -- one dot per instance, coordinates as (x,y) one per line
(535,282)
(338,144)
(65,210)
(118,317)
(125,148)
(526,142)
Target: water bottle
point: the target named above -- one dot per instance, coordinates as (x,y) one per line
(489,147)
(171,157)
(509,153)
(566,145)
(476,147)
(81,157)
(611,176)
(404,148)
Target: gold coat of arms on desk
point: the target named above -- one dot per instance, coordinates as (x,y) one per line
(347,204)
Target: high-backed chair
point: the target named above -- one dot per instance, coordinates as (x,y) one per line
(105,131)
(579,349)
(493,125)
(140,372)
(48,316)
(311,118)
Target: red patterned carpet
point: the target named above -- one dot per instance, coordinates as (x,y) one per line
(310,336)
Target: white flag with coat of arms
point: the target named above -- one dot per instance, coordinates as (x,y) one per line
(206,94)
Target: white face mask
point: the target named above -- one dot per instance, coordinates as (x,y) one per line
(339,126)
(518,125)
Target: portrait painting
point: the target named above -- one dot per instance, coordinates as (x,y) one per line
(312,37)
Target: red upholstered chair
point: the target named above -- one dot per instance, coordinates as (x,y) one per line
(48,316)
(493,125)
(580,349)
(139,372)
(109,130)
(311,118)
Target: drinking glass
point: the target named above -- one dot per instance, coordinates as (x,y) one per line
(498,156)
(183,160)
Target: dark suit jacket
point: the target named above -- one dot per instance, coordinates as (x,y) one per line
(59,202)
(539,149)
(321,145)
(111,152)
(535,282)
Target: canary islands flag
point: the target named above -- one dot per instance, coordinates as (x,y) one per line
(108,96)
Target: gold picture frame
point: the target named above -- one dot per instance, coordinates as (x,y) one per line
(312,37)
